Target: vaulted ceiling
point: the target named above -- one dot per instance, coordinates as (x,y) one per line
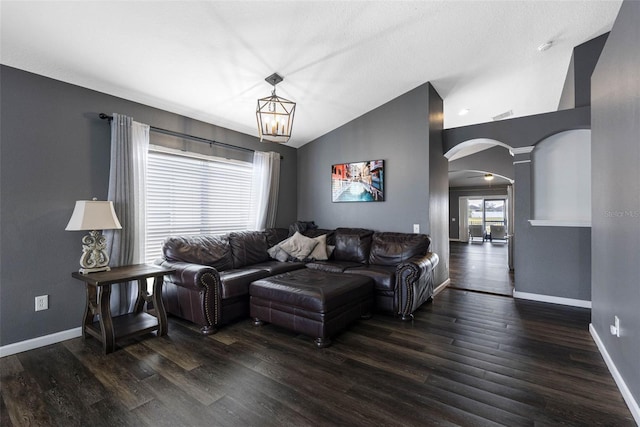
(208,59)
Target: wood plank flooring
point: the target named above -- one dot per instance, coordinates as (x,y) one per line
(468,359)
(481,267)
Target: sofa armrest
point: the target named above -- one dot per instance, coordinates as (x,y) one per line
(414,283)
(201,279)
(425,263)
(196,277)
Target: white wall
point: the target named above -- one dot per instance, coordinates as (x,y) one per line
(562,177)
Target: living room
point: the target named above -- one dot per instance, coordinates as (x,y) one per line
(55,150)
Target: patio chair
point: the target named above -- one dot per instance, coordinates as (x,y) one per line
(498,232)
(476,231)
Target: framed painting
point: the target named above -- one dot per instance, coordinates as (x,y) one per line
(358,181)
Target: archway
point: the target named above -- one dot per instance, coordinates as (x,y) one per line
(480,264)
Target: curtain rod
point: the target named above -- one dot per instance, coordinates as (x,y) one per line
(104,116)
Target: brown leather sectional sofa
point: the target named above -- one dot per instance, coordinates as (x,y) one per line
(213,273)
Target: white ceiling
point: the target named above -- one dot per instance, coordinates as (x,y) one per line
(208,59)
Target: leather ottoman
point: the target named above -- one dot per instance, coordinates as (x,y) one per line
(311,302)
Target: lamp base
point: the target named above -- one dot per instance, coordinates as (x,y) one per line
(94,270)
(94,253)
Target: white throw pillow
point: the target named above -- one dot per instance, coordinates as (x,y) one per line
(298,246)
(276,252)
(319,253)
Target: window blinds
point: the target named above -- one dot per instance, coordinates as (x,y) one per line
(193,195)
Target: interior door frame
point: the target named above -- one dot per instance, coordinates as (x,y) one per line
(463,222)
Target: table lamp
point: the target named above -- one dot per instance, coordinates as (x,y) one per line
(94,216)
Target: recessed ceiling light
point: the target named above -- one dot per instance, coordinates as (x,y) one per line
(545,46)
(488,176)
(463,112)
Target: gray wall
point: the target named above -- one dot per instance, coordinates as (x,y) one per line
(521,131)
(397,132)
(55,151)
(586,58)
(556,261)
(615,187)
(438,188)
(496,160)
(568,96)
(577,86)
(552,261)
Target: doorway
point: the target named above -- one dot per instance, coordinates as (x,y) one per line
(482,265)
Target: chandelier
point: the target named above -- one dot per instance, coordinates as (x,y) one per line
(275,115)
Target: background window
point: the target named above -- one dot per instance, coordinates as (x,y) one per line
(191,194)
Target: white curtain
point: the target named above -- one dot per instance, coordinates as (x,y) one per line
(127,184)
(264,190)
(463,220)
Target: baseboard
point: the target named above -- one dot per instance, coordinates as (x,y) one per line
(441,287)
(19,347)
(454,240)
(622,386)
(551,299)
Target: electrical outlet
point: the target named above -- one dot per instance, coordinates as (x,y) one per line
(416,228)
(615,328)
(42,302)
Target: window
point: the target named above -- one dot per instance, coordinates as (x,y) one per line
(494,213)
(191,194)
(483,211)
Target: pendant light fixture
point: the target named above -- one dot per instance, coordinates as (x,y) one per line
(275,115)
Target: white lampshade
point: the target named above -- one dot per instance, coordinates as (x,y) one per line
(93,215)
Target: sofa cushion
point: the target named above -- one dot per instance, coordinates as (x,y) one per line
(301,227)
(330,249)
(248,247)
(298,246)
(353,244)
(213,251)
(332,266)
(236,282)
(384,277)
(395,248)
(276,267)
(315,232)
(276,235)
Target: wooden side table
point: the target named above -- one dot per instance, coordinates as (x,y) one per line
(108,329)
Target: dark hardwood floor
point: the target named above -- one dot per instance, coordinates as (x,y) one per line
(468,359)
(481,267)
